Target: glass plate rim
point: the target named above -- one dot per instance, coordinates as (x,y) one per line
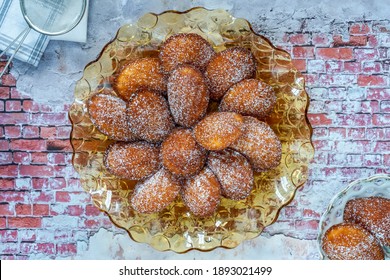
(306,108)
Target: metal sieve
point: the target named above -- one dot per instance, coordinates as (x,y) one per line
(49,17)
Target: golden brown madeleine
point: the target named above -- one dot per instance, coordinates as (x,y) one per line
(373,214)
(181,154)
(155,192)
(185,48)
(227,68)
(132,161)
(234,173)
(346,241)
(140,74)
(201,193)
(188,95)
(259,144)
(250,97)
(149,116)
(108,114)
(218,130)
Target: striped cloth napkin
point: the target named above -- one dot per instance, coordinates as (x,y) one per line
(12,24)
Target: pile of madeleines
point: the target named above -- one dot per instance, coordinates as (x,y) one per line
(170,141)
(364,232)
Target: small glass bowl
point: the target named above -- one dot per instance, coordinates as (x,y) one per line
(377,185)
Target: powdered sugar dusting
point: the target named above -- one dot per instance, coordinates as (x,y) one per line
(141,74)
(228,68)
(351,242)
(250,97)
(373,214)
(201,193)
(185,48)
(259,144)
(234,173)
(149,116)
(155,193)
(188,95)
(181,154)
(108,114)
(132,161)
(218,130)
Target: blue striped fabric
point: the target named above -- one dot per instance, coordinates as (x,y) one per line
(12,24)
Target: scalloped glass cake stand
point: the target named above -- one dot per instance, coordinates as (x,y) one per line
(234,221)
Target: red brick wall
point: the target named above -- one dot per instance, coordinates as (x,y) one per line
(44,212)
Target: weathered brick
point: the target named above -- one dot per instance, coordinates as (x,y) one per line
(352,41)
(13,105)
(7,183)
(378,93)
(62,196)
(56,158)
(43,119)
(23,209)
(48,132)
(8,236)
(13,131)
(300,64)
(30,131)
(3,222)
(359,28)
(333,66)
(6,209)
(381,119)
(8,80)
(92,210)
(8,171)
(63,132)
(4,145)
(41,209)
(34,248)
(385,106)
(24,222)
(36,170)
(4,92)
(42,196)
(371,67)
(365,54)
(386,159)
(39,158)
(303,52)
(67,249)
(27,235)
(372,80)
(27,145)
(299,39)
(5,158)
(58,145)
(320,40)
(352,67)
(9,248)
(21,157)
(357,133)
(372,160)
(14,118)
(30,106)
(74,210)
(39,183)
(353,119)
(335,53)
